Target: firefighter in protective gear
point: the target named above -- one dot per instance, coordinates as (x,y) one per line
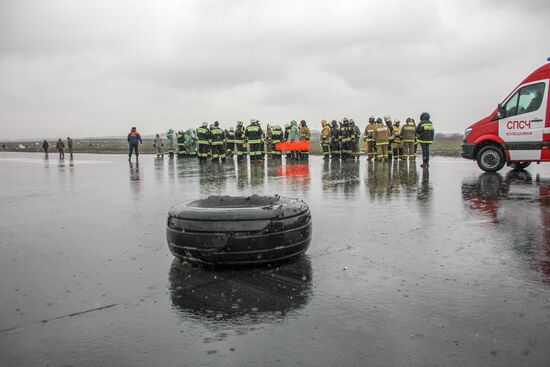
(180,139)
(381,136)
(230,142)
(276,137)
(325,139)
(369,138)
(408,137)
(286,136)
(346,138)
(305,134)
(217,140)
(203,139)
(240,141)
(253,134)
(335,140)
(170,143)
(356,135)
(425,136)
(397,145)
(389,124)
(268,141)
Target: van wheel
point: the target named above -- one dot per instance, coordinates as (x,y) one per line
(490,158)
(520,165)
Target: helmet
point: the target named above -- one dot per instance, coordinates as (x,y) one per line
(239,123)
(371,119)
(379,120)
(396,122)
(334,122)
(410,121)
(205,124)
(303,122)
(345,120)
(216,123)
(425,116)
(387,117)
(324,122)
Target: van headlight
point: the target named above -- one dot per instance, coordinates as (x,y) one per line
(467,132)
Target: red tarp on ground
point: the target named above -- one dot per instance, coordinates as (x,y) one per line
(302,145)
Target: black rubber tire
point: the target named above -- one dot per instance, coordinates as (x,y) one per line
(519,165)
(490,158)
(226,230)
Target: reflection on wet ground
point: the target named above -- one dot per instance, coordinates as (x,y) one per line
(407,267)
(517,205)
(255,295)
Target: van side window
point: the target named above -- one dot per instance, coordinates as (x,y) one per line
(527,99)
(511,107)
(530,98)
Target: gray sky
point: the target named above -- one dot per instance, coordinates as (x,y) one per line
(94,68)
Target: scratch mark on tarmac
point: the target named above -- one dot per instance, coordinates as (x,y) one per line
(19,328)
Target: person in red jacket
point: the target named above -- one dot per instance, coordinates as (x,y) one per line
(134,139)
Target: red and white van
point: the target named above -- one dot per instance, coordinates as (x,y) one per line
(518,131)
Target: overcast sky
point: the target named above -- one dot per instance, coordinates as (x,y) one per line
(96,68)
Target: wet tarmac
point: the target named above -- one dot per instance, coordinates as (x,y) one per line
(408,267)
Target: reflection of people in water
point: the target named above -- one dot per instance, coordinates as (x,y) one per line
(497,198)
(212,178)
(242,296)
(341,176)
(257,174)
(425,189)
(135,177)
(134,171)
(295,174)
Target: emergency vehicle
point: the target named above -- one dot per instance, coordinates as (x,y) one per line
(518,131)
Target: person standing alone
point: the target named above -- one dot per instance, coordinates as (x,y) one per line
(425,137)
(134,139)
(45,146)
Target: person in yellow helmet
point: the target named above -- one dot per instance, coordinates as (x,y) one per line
(381,136)
(408,137)
(369,139)
(326,134)
(397,146)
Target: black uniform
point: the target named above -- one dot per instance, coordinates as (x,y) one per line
(335,141)
(203,139)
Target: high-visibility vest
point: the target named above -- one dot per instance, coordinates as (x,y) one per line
(253,134)
(203,136)
(216,136)
(276,135)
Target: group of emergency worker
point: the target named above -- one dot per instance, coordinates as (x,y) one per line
(383,140)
